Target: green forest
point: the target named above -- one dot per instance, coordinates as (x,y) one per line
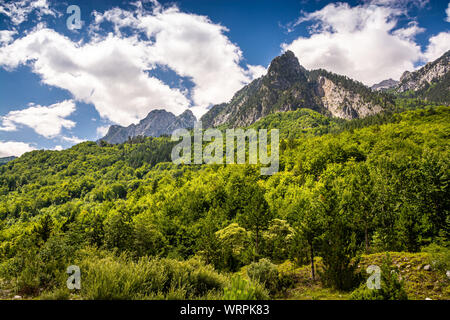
(348,194)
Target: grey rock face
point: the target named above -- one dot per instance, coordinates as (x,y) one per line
(155,124)
(288,86)
(431,73)
(385,85)
(343,103)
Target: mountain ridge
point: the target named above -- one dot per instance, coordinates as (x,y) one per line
(288,86)
(157,123)
(430,82)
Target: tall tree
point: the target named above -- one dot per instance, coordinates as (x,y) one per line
(256,214)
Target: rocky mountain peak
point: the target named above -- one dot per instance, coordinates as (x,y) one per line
(284,70)
(432,73)
(187,115)
(288,86)
(156,123)
(384,85)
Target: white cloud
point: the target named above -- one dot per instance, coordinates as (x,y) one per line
(409,32)
(255,72)
(102,131)
(18,11)
(47,121)
(13,148)
(360,42)
(73,139)
(114,72)
(448,13)
(109,73)
(199,111)
(58,148)
(191,45)
(6,36)
(399,3)
(438,45)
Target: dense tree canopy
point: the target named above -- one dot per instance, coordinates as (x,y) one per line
(343,189)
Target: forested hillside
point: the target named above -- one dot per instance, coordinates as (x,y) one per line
(140,227)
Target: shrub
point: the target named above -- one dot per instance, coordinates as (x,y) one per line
(241,289)
(391,287)
(110,277)
(35,268)
(264,272)
(286,275)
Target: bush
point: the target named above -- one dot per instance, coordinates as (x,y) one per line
(110,278)
(391,287)
(264,272)
(35,268)
(286,275)
(241,289)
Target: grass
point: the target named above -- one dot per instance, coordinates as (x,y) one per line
(419,284)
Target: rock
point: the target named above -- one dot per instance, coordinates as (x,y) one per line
(428,299)
(288,86)
(419,267)
(384,85)
(17,298)
(157,123)
(448,274)
(427,268)
(430,73)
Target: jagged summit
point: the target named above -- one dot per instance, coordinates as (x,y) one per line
(431,82)
(289,86)
(156,123)
(285,69)
(385,85)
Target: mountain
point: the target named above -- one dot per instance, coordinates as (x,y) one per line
(385,85)
(5,160)
(155,124)
(431,82)
(288,86)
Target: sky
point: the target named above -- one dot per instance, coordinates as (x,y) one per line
(65,80)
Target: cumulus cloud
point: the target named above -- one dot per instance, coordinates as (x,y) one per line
(400,3)
(14,148)
(114,72)
(191,45)
(73,139)
(102,131)
(448,13)
(6,36)
(255,72)
(47,121)
(361,42)
(18,11)
(109,73)
(438,45)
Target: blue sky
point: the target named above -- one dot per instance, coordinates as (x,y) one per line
(61,86)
